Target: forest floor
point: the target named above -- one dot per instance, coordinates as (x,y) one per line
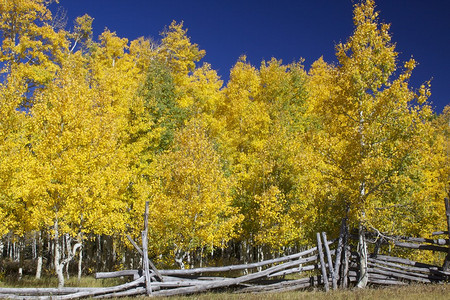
(414,291)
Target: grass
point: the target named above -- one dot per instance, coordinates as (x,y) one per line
(52,281)
(420,292)
(414,291)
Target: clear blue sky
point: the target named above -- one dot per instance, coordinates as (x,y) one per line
(287,30)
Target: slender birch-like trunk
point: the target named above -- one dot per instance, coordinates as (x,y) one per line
(57,261)
(39,255)
(80,262)
(362,247)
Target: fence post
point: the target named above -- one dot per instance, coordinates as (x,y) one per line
(337,264)
(328,252)
(145,262)
(322,263)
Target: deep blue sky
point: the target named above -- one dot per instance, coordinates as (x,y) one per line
(287,30)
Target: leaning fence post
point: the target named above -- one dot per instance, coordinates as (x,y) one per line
(337,264)
(346,259)
(328,252)
(322,263)
(145,261)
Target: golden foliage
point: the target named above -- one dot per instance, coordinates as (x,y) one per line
(91,130)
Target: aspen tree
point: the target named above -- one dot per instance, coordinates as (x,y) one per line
(246,123)
(374,125)
(178,52)
(14,155)
(158,109)
(77,174)
(264,123)
(30,44)
(282,208)
(194,198)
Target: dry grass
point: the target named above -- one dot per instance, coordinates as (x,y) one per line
(422,292)
(415,291)
(412,292)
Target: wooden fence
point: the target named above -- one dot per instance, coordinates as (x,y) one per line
(332,264)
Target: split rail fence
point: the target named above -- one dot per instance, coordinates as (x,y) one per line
(330,264)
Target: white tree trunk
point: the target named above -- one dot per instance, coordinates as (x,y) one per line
(362,247)
(179,257)
(80,261)
(38,238)
(39,267)
(68,242)
(34,247)
(58,266)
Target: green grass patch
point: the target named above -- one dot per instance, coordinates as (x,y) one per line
(48,281)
